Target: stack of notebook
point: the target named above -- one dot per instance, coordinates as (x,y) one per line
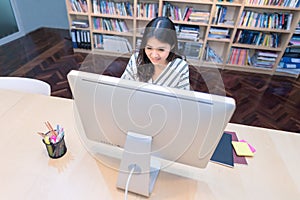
(232,151)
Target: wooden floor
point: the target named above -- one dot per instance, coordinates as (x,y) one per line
(262,100)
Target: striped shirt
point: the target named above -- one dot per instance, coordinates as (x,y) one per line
(175,75)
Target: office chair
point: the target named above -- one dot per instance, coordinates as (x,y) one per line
(23,84)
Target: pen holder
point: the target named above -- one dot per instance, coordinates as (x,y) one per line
(56,150)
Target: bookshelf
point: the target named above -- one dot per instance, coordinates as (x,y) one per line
(290,61)
(244,35)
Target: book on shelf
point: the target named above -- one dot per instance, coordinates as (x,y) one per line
(218,33)
(112,8)
(289,65)
(284,3)
(80,39)
(295,40)
(73,38)
(80,24)
(288,71)
(257,38)
(172,11)
(220,13)
(267,54)
(287,59)
(263,59)
(221,31)
(79,5)
(266,20)
(187,13)
(188,36)
(211,55)
(199,16)
(189,29)
(147,10)
(190,50)
(98,41)
(290,61)
(238,56)
(297,29)
(187,32)
(112,43)
(110,24)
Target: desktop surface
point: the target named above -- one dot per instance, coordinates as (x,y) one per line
(27,172)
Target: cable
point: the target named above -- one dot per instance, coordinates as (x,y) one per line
(128,180)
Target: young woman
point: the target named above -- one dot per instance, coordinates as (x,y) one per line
(157,61)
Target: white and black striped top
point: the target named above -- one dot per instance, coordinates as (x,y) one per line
(175,75)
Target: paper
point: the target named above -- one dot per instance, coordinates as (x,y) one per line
(242,148)
(237,159)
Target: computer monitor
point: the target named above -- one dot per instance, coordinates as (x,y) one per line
(143,124)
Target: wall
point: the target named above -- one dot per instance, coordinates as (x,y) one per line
(34,14)
(42,13)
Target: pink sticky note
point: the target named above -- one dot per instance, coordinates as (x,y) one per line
(250,146)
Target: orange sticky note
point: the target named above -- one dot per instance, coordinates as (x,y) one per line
(242,148)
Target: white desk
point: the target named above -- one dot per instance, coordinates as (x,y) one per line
(26,171)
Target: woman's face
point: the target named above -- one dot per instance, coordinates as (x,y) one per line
(157,52)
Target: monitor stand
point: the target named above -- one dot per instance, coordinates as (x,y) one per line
(137,154)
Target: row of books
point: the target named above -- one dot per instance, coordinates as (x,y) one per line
(112,43)
(188,32)
(188,14)
(112,8)
(290,61)
(147,10)
(287,62)
(172,12)
(238,56)
(220,16)
(211,56)
(295,40)
(225,0)
(110,24)
(263,59)
(195,15)
(80,24)
(219,33)
(79,5)
(266,20)
(291,57)
(190,50)
(81,39)
(285,3)
(257,38)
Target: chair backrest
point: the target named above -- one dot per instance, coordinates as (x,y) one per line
(25,85)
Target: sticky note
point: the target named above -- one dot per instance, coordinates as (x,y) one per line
(242,148)
(251,147)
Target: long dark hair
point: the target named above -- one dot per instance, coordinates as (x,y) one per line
(162,29)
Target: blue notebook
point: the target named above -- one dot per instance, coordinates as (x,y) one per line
(224,151)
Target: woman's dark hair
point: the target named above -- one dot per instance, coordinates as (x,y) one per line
(162,29)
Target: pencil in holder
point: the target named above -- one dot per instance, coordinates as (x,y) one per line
(56,150)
